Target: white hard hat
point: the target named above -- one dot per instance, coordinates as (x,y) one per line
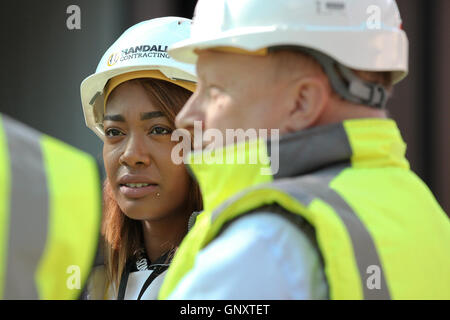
(359,34)
(142,49)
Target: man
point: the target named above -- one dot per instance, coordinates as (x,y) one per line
(343,217)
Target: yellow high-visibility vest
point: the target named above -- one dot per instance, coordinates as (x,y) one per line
(380,231)
(50,211)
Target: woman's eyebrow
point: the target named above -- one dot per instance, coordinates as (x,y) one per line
(144,116)
(151,115)
(114,117)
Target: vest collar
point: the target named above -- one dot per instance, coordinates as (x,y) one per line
(362,143)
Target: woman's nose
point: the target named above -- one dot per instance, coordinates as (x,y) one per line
(136,153)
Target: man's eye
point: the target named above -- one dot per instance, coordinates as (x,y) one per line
(160,130)
(215,92)
(113,132)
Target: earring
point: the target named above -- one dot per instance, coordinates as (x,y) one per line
(157,194)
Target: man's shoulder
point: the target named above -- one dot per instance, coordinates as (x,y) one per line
(260,255)
(267,222)
(263,227)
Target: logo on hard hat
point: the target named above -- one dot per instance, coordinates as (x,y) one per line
(113,58)
(145,51)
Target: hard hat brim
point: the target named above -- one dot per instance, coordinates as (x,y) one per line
(93,86)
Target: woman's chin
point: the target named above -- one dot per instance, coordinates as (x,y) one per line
(142,211)
(138,215)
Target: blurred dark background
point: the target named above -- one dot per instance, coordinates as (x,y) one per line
(43,64)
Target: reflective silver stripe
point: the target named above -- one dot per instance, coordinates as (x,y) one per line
(363,245)
(28,210)
(309,187)
(307,148)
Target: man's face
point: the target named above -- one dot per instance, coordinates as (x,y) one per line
(234,91)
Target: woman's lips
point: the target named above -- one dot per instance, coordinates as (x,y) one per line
(138,192)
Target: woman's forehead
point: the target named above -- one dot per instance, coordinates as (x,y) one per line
(130,98)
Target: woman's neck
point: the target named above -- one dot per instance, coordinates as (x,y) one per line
(162,235)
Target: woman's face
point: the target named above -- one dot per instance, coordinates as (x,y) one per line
(147,185)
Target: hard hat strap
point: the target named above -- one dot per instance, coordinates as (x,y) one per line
(344,81)
(366,93)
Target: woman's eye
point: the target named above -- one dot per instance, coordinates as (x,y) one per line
(160,130)
(113,132)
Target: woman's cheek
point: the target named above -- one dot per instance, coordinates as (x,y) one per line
(110,161)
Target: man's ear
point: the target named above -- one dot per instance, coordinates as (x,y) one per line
(308,99)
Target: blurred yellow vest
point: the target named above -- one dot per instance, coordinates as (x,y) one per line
(50,211)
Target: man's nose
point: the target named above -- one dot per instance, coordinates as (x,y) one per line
(136,152)
(190,113)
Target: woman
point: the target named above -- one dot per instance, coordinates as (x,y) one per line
(131,103)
